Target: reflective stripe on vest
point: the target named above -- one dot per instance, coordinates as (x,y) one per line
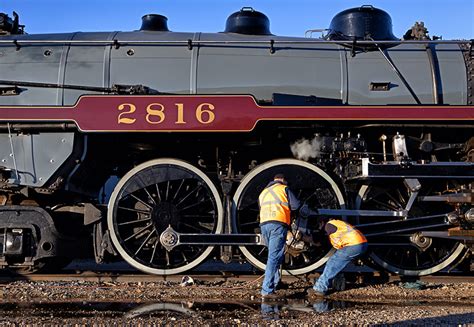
(345,235)
(274,204)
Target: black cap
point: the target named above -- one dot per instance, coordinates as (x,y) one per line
(248,21)
(154,22)
(362,23)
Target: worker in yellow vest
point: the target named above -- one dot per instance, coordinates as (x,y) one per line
(349,243)
(276,203)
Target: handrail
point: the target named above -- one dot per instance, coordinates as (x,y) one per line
(211,42)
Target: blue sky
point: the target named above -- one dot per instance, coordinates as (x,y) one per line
(452,19)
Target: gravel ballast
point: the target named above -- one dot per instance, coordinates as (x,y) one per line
(230,303)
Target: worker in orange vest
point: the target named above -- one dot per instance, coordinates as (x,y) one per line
(349,243)
(276,203)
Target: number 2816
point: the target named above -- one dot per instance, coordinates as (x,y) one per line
(156,113)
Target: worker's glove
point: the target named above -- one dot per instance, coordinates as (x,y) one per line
(306,211)
(310,240)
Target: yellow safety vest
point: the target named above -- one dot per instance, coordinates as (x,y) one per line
(274,204)
(345,235)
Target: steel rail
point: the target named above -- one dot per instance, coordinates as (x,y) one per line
(144,278)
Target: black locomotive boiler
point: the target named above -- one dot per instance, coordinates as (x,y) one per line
(152,146)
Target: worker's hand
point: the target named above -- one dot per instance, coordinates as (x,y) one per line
(306,211)
(309,239)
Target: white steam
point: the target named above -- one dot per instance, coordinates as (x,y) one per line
(304,149)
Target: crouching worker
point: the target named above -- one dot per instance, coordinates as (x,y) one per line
(276,203)
(349,243)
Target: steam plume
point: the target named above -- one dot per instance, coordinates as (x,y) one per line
(304,149)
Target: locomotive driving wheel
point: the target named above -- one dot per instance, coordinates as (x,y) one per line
(153,196)
(312,186)
(410,254)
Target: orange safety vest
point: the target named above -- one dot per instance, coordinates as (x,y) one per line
(274,204)
(345,235)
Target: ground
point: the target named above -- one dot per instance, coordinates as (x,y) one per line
(230,303)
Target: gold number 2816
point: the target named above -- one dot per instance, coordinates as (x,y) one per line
(155,113)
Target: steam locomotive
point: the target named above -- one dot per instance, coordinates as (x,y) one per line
(152,146)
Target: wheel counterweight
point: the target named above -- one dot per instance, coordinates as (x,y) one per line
(312,186)
(157,194)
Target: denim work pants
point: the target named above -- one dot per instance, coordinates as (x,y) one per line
(336,263)
(274,236)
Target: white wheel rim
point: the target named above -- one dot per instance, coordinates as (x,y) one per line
(250,257)
(407,272)
(113,199)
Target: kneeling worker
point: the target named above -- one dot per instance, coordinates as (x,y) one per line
(349,242)
(276,203)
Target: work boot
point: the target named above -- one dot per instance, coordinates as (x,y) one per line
(339,282)
(314,295)
(270,296)
(281,286)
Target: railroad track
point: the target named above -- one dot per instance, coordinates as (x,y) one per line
(111,277)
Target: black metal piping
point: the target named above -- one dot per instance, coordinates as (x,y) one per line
(60,126)
(62,86)
(437,96)
(415,126)
(115,89)
(395,69)
(118,43)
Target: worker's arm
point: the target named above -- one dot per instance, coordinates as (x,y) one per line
(330,228)
(293,200)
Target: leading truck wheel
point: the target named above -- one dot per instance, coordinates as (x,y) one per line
(312,186)
(409,254)
(153,196)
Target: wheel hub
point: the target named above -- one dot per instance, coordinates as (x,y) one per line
(163,215)
(169,239)
(422,242)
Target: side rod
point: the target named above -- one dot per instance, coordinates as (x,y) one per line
(170,238)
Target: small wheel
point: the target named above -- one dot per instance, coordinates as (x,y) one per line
(311,185)
(409,254)
(153,196)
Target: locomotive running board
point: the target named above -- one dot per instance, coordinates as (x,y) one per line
(408,169)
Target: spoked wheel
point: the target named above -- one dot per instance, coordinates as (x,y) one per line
(153,196)
(409,254)
(311,185)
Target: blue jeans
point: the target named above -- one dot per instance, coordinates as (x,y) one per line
(336,263)
(321,306)
(269,311)
(274,236)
